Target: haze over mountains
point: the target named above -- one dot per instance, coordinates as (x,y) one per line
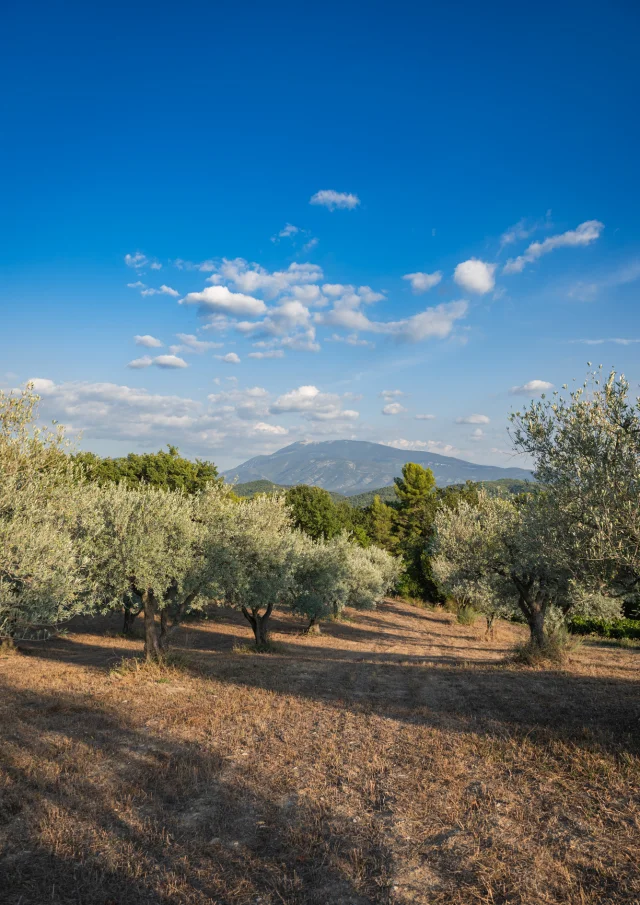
(355,466)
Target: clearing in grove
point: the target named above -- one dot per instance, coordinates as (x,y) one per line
(398,757)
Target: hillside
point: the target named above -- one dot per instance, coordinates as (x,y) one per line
(398,758)
(352,467)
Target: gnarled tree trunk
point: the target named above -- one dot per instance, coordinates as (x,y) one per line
(153,638)
(314,627)
(260,625)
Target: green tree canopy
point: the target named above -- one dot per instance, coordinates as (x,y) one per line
(166,470)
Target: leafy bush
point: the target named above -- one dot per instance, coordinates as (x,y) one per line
(606,628)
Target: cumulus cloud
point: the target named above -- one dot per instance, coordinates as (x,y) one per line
(473,419)
(252,278)
(391,394)
(393,408)
(313,405)
(161,361)
(532,388)
(145,362)
(335,200)
(230,358)
(137,285)
(584,234)
(156,265)
(435,322)
(422,282)
(289,230)
(271,428)
(150,342)
(220,299)
(169,361)
(310,245)
(475,275)
(477,434)
(425,417)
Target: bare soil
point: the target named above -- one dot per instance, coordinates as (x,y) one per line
(397,757)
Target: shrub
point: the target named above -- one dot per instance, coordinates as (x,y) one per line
(606,628)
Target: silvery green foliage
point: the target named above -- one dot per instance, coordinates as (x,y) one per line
(321,588)
(40,585)
(593,604)
(372,574)
(503,557)
(586,447)
(252,551)
(135,541)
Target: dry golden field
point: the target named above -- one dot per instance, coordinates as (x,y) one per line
(398,757)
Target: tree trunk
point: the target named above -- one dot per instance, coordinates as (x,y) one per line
(259,623)
(153,641)
(313,628)
(536,625)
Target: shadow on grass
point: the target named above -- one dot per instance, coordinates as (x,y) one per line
(440,690)
(100,812)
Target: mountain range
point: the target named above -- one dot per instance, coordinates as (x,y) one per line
(355,466)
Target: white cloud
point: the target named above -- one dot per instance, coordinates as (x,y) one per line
(150,342)
(230,358)
(434,446)
(191,343)
(425,417)
(163,290)
(271,428)
(433,322)
(393,408)
(310,245)
(473,419)
(219,299)
(599,342)
(252,278)
(584,234)
(475,276)
(161,361)
(169,361)
(145,362)
(156,265)
(422,282)
(137,285)
(270,353)
(532,388)
(391,394)
(523,229)
(137,260)
(477,434)
(335,200)
(313,405)
(352,340)
(289,230)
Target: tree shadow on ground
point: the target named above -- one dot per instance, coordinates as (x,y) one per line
(94,810)
(442,690)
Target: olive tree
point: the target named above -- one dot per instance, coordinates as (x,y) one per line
(252,551)
(586,448)
(146,543)
(505,557)
(40,582)
(321,586)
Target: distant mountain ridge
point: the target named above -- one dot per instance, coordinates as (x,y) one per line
(355,466)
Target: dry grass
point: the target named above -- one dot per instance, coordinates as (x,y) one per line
(398,757)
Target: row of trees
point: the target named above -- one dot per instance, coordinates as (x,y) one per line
(72,544)
(572,545)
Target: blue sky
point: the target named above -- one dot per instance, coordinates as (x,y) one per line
(281,169)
